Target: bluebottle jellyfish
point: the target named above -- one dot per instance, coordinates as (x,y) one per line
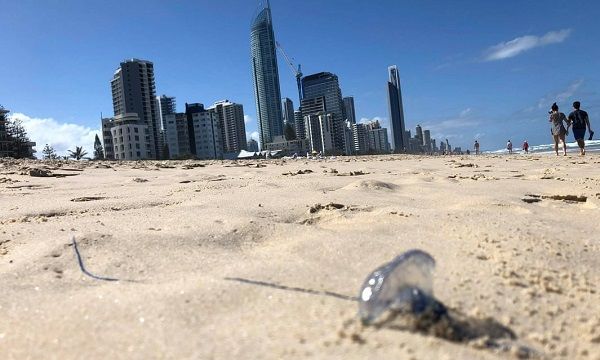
(403,285)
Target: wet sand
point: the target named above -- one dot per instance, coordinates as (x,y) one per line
(238,260)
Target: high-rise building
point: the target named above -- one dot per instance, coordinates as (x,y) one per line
(166,106)
(313,106)
(396,111)
(361,139)
(378,140)
(299,125)
(266,76)
(231,123)
(427,140)
(419,133)
(349,138)
(134,92)
(326,85)
(252,145)
(319,132)
(126,137)
(204,132)
(349,109)
(287,107)
(177,136)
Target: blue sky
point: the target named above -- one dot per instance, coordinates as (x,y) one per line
(469,69)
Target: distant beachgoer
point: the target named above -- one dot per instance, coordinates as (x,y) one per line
(558,129)
(476,146)
(526,147)
(509,147)
(579,120)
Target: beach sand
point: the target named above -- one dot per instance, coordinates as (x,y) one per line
(235,260)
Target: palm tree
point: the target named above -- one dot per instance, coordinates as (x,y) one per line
(78,154)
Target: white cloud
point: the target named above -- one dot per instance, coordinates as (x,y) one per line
(248,119)
(382,120)
(558,97)
(465,112)
(252,135)
(521,44)
(61,136)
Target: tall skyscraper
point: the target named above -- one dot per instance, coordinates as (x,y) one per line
(266,76)
(287,106)
(326,85)
(349,108)
(231,122)
(396,111)
(427,140)
(419,133)
(134,92)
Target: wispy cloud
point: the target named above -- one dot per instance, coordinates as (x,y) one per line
(452,128)
(248,119)
(519,45)
(465,112)
(560,96)
(61,136)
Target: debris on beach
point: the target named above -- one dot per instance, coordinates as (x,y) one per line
(164,165)
(140,180)
(299,172)
(533,198)
(353,173)
(331,206)
(5,180)
(40,173)
(461,165)
(192,166)
(88,198)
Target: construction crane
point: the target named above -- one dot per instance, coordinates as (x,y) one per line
(297,72)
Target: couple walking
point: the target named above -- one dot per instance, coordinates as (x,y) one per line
(578,119)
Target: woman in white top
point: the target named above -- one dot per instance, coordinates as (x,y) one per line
(558,129)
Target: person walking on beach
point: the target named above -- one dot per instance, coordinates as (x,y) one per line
(476,146)
(579,120)
(509,146)
(526,147)
(558,129)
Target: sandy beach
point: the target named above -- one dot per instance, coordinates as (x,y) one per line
(231,260)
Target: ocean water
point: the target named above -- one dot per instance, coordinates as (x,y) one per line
(592,146)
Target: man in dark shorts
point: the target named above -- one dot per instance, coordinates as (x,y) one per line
(579,121)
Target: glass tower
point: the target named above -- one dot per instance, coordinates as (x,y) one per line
(396,110)
(266,76)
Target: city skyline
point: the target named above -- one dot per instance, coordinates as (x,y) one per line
(484,80)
